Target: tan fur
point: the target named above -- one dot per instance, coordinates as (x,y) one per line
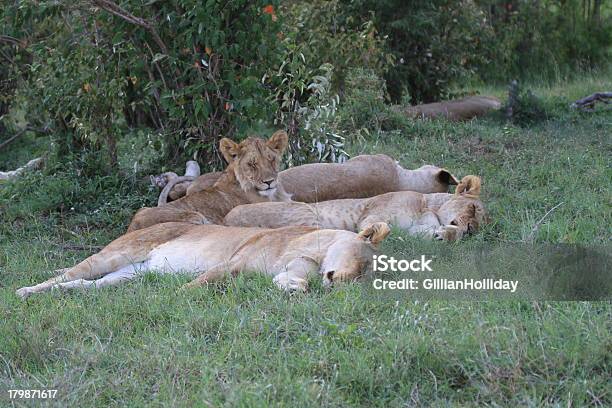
(250,177)
(360,177)
(203,182)
(288,254)
(457,110)
(437,215)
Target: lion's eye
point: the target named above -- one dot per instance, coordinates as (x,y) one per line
(253,165)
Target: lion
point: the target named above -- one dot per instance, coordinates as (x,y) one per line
(361,177)
(250,177)
(289,254)
(441,216)
(455,110)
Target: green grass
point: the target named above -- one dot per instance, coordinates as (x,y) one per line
(244,343)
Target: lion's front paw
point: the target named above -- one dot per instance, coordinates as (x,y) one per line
(447,233)
(290,283)
(24,293)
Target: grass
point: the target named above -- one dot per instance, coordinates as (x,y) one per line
(243,343)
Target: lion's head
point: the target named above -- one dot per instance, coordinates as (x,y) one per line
(350,258)
(254,162)
(464,213)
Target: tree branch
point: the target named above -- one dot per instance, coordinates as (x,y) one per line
(21,133)
(12,40)
(116,10)
(588,102)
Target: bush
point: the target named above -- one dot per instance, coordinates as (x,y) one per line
(545,40)
(306,108)
(436,44)
(190,71)
(329,32)
(523,107)
(364,104)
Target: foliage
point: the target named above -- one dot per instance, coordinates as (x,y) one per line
(306,108)
(523,107)
(185,69)
(364,104)
(546,40)
(328,32)
(436,44)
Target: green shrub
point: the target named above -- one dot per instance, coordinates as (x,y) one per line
(545,40)
(523,107)
(306,107)
(436,44)
(329,32)
(187,69)
(364,104)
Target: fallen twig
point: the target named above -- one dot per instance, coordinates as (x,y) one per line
(588,103)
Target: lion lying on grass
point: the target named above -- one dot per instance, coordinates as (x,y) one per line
(250,177)
(288,254)
(439,215)
(455,110)
(361,177)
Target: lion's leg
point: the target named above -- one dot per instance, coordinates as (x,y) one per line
(422,231)
(214,274)
(297,271)
(93,267)
(112,279)
(448,233)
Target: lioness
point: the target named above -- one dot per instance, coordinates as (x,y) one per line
(455,110)
(250,177)
(289,254)
(361,177)
(438,215)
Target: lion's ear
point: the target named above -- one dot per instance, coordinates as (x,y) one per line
(445,177)
(229,149)
(278,141)
(375,233)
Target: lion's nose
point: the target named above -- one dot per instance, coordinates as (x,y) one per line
(269,182)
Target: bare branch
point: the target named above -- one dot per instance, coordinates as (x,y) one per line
(13,40)
(588,103)
(21,133)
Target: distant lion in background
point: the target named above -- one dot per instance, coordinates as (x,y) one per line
(441,216)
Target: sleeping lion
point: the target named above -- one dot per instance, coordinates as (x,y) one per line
(215,252)
(360,177)
(441,216)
